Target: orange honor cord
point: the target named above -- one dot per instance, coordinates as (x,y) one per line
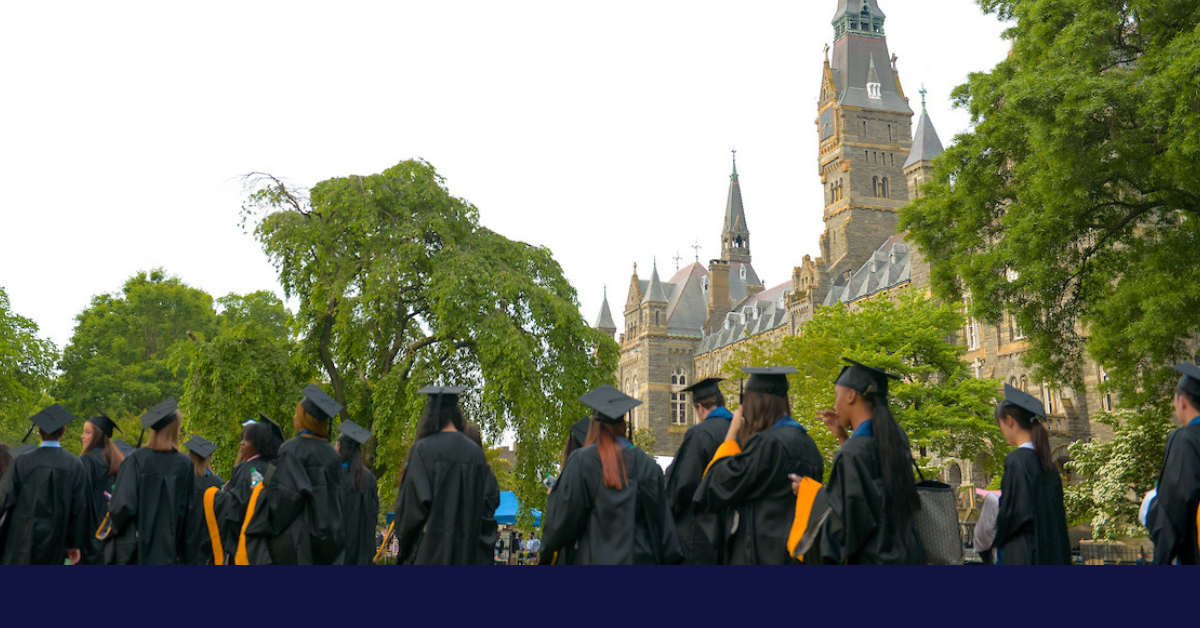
(727,449)
(101,533)
(242,558)
(383,546)
(210,516)
(804,502)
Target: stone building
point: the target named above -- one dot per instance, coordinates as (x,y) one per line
(871,163)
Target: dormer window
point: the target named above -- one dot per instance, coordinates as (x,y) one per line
(742,273)
(873,91)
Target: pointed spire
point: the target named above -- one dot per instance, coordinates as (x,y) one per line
(605,322)
(733,177)
(735,235)
(926,144)
(655,294)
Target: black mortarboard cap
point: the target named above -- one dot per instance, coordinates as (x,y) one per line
(321,406)
(609,403)
(200,446)
(264,419)
(123,447)
(1023,400)
(450,392)
(865,379)
(160,416)
(580,429)
(22,450)
(52,419)
(704,388)
(356,432)
(105,424)
(1190,381)
(769,380)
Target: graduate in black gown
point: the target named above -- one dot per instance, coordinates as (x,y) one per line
(200,451)
(359,494)
(865,514)
(260,444)
(101,461)
(1031,524)
(448,494)
(749,474)
(1172,516)
(154,498)
(296,513)
(700,535)
(44,499)
(576,437)
(490,532)
(610,502)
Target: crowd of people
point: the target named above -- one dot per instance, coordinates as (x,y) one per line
(746,487)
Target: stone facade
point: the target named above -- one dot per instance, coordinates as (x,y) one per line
(871,163)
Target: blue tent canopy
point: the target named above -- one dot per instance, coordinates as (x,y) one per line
(506,513)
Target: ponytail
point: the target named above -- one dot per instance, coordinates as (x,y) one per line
(895,463)
(1037,431)
(612,461)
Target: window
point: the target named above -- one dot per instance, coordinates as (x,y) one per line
(1051,397)
(883,188)
(864,133)
(742,273)
(633,392)
(679,405)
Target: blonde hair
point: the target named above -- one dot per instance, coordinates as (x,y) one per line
(166,439)
(200,465)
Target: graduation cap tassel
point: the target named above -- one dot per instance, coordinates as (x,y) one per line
(139,445)
(28,433)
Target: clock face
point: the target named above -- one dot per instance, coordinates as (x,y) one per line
(827,124)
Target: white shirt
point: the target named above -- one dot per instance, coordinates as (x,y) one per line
(985,527)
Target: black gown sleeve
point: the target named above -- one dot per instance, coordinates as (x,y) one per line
(684,474)
(1017,503)
(1172,515)
(80,531)
(670,552)
(747,476)
(851,521)
(568,507)
(489,530)
(412,506)
(121,543)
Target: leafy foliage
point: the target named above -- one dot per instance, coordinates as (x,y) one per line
(247,368)
(1074,201)
(1117,473)
(943,409)
(26,371)
(118,360)
(400,286)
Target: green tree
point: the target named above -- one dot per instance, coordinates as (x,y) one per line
(250,366)
(943,409)
(26,371)
(1117,473)
(1073,202)
(118,357)
(399,286)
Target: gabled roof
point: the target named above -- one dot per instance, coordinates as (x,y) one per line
(754,315)
(889,266)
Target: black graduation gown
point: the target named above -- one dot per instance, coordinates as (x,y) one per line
(1172,515)
(606,526)
(857,530)
(152,506)
(44,495)
(198,532)
(700,535)
(298,516)
(95,466)
(231,502)
(755,489)
(360,512)
(1031,525)
(445,510)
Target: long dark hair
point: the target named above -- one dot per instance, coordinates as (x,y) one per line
(349,451)
(434,420)
(612,460)
(895,462)
(759,412)
(1038,433)
(262,437)
(5,457)
(112,455)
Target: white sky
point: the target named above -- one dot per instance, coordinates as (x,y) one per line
(601,131)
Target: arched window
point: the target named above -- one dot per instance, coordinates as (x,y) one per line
(742,273)
(679,405)
(883,188)
(1024,384)
(953,475)
(875,186)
